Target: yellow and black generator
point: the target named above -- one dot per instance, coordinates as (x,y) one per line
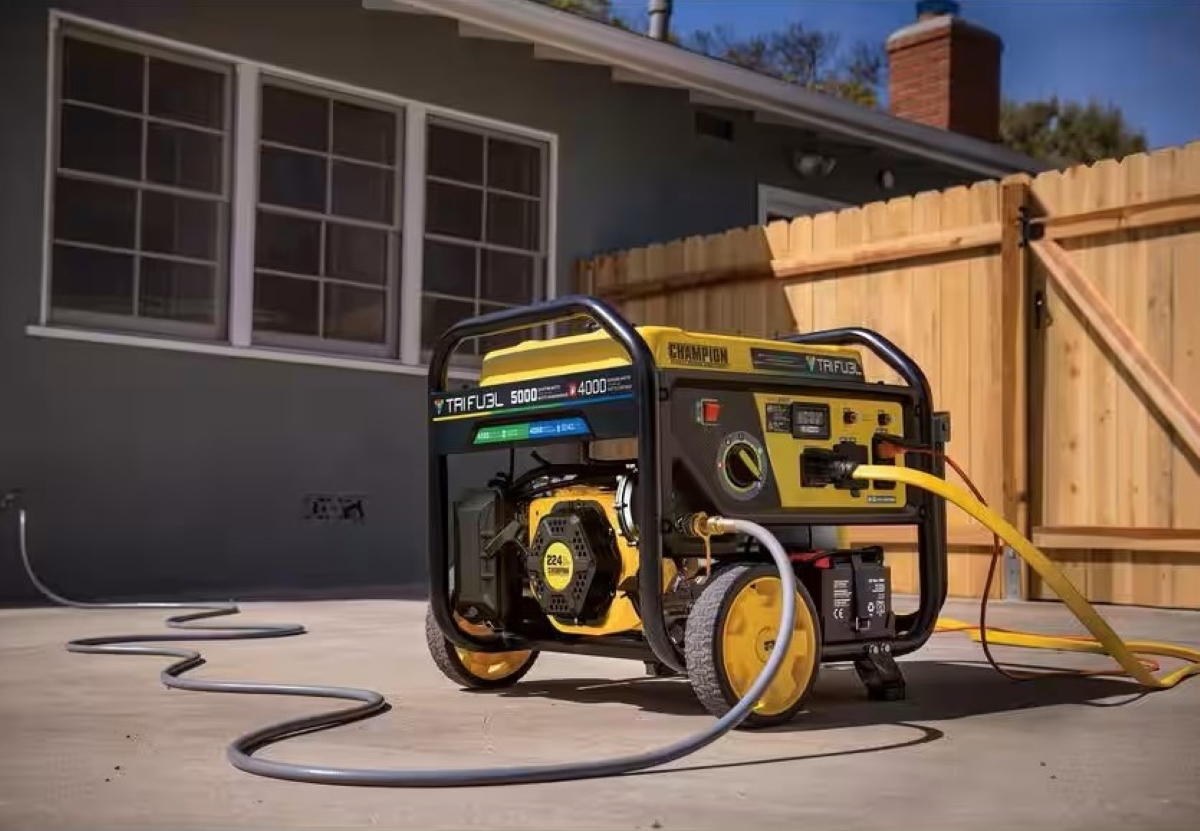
(626,439)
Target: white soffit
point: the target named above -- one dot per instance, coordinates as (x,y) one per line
(551,53)
(470,30)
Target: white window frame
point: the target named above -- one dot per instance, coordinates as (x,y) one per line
(772,199)
(245,87)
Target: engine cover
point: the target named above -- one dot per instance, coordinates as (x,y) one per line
(574,565)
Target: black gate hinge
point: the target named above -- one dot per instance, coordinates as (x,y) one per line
(1031,229)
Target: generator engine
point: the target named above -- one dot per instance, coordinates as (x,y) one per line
(564,551)
(596,551)
(575,562)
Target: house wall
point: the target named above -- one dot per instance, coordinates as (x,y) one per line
(157,472)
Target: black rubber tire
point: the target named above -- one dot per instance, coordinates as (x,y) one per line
(702,644)
(445,657)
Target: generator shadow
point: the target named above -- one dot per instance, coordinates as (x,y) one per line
(936,691)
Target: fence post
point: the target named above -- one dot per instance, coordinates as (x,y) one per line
(1014,345)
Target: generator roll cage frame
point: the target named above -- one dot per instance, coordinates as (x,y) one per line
(931,533)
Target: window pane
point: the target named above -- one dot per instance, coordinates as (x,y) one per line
(362,192)
(102,75)
(513,222)
(362,133)
(184,158)
(101,142)
(450,269)
(175,225)
(90,280)
(295,118)
(295,180)
(454,211)
(507,278)
(438,315)
(176,291)
(187,93)
(515,167)
(285,304)
(91,212)
(287,243)
(355,314)
(356,253)
(455,154)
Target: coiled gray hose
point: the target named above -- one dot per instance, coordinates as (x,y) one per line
(241,751)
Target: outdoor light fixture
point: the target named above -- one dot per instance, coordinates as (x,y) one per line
(810,165)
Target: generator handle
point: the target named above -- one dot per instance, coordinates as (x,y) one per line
(648,495)
(931,529)
(884,349)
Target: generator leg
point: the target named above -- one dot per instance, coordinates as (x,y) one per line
(880,674)
(655,669)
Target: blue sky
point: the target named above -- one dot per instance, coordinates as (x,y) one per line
(1141,55)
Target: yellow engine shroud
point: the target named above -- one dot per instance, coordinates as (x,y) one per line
(673,348)
(854,419)
(621,616)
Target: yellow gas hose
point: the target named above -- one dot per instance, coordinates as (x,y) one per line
(1105,641)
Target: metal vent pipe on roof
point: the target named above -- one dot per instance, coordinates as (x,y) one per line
(660,18)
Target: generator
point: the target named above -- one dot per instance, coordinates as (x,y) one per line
(617,441)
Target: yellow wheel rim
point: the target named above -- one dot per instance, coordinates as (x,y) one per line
(488,666)
(748,635)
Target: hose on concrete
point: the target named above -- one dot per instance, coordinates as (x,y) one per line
(369,703)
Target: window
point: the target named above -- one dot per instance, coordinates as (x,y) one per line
(327,244)
(484,246)
(346,244)
(140,204)
(777,203)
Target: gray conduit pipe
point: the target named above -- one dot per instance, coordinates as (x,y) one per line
(370,703)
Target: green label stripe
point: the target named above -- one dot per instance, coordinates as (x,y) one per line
(503,433)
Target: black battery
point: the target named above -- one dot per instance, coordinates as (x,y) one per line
(852,590)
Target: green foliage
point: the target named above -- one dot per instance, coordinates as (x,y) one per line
(595,9)
(601,10)
(1066,133)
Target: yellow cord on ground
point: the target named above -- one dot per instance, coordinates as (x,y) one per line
(1106,641)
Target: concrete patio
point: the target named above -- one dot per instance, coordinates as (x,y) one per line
(97,741)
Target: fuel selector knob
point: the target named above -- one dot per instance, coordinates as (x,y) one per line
(742,466)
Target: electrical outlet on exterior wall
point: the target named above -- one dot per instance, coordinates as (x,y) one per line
(325,507)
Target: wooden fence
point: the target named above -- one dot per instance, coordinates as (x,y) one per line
(1058,320)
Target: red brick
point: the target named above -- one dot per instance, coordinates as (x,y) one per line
(947,76)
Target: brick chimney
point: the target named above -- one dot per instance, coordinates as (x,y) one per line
(945,72)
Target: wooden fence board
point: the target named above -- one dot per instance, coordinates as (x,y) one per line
(1048,421)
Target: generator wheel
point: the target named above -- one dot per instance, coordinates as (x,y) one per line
(475,670)
(729,635)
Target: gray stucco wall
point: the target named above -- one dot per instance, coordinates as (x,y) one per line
(161,472)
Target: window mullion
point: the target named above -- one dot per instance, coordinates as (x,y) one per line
(412,235)
(244,214)
(144,127)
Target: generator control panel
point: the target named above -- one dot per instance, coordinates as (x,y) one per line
(807,430)
(764,452)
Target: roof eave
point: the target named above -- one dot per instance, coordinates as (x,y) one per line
(678,67)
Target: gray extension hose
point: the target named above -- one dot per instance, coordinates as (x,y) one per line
(371,703)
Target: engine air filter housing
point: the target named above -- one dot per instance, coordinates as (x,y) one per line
(573,562)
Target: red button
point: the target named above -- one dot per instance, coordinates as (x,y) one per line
(711,411)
